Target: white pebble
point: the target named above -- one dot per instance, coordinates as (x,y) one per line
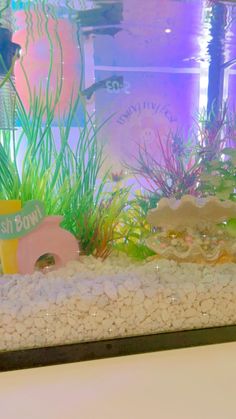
(207,305)
(92,299)
(132,284)
(110,290)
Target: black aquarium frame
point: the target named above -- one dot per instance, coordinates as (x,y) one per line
(85,351)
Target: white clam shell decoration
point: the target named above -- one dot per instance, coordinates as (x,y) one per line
(190,216)
(191,211)
(194,252)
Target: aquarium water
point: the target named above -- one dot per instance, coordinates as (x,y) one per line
(117,169)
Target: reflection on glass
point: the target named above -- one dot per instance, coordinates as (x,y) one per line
(119,116)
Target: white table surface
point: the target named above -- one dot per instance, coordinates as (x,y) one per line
(196,383)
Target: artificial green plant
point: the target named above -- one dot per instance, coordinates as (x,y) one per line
(63,170)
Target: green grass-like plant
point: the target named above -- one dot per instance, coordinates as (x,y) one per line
(63,169)
(133,229)
(67,179)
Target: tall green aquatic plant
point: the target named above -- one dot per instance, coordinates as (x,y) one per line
(67,179)
(61,167)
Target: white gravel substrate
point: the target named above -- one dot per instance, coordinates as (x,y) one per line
(93,300)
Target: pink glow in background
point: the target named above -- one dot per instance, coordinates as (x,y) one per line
(173,97)
(36,56)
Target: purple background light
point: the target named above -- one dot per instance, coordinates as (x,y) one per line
(162,53)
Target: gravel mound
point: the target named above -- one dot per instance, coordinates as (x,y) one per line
(94,300)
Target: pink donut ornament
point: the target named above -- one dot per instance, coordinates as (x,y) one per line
(47,238)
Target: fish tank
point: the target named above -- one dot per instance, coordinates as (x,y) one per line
(117,177)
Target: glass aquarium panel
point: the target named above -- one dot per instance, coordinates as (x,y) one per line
(117,169)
